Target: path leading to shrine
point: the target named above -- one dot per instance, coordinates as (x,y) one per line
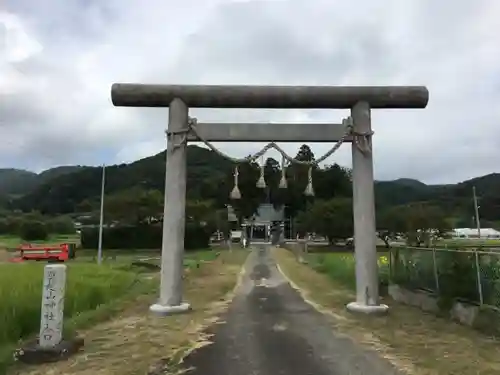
(269,329)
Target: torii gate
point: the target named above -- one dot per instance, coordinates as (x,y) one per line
(180,97)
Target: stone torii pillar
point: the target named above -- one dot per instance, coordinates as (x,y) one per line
(180,97)
(367,296)
(174,213)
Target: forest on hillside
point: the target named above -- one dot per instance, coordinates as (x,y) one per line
(134,191)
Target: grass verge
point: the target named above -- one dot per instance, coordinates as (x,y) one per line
(415,342)
(341,267)
(136,342)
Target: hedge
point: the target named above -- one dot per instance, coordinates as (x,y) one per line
(142,237)
(33,230)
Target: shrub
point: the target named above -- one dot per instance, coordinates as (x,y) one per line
(490,279)
(457,276)
(143,237)
(3,226)
(10,225)
(61,225)
(413,268)
(196,236)
(456,271)
(33,231)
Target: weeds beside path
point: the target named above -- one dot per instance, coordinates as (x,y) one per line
(137,342)
(415,342)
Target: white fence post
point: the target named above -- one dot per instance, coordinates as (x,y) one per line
(51,322)
(478,275)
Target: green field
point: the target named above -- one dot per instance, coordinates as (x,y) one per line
(341,267)
(89,290)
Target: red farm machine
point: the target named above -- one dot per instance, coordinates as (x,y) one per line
(50,253)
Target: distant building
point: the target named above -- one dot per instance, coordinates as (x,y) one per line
(267,213)
(472,233)
(231,215)
(265,223)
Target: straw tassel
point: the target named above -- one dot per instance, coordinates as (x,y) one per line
(235,193)
(283,183)
(261,182)
(309,188)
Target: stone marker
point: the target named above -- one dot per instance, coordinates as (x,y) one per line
(50,345)
(54,287)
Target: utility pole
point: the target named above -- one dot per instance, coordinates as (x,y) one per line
(476,209)
(101,216)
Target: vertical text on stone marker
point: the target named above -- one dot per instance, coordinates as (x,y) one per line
(51,325)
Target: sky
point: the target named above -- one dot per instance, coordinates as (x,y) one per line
(59,58)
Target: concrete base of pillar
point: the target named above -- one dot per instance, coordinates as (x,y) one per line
(357,307)
(164,310)
(302,260)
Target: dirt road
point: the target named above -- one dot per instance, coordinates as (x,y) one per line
(270,330)
(4,255)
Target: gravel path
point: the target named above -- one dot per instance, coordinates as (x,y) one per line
(270,330)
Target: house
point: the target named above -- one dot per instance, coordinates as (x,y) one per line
(472,233)
(262,224)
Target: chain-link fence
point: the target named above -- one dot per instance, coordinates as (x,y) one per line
(467,275)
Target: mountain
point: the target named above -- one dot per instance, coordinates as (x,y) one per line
(460,197)
(51,173)
(410,182)
(455,199)
(401,191)
(17,182)
(63,189)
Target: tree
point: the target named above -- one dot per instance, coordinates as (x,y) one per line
(424,223)
(419,223)
(297,175)
(272,174)
(87,205)
(304,223)
(330,218)
(11,224)
(4,226)
(33,230)
(150,206)
(199,211)
(221,222)
(305,153)
(61,225)
(134,206)
(332,181)
(391,222)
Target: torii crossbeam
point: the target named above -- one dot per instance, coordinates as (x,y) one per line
(180,97)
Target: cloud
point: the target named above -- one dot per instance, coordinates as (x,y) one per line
(61,58)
